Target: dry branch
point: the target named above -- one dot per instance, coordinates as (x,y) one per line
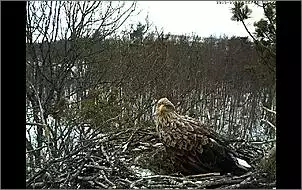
(269,110)
(111,167)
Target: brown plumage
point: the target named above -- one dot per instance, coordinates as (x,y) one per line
(194,148)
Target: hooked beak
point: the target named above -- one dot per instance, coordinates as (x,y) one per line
(160,108)
(159,111)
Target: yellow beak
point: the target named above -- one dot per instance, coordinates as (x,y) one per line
(160,108)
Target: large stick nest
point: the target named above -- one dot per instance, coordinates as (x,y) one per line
(132,159)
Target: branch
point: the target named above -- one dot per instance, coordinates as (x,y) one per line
(270,124)
(263,142)
(204,175)
(36,124)
(125,146)
(269,110)
(37,149)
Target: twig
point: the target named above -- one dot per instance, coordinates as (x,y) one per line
(79,170)
(221,182)
(101,184)
(190,183)
(124,180)
(47,129)
(250,141)
(155,176)
(37,185)
(36,124)
(269,110)
(39,102)
(243,176)
(270,124)
(87,178)
(129,140)
(204,175)
(107,180)
(263,142)
(55,160)
(30,151)
(98,167)
(105,154)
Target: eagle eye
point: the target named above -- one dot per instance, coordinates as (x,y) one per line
(170,106)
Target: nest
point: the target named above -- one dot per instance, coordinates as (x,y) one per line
(130,159)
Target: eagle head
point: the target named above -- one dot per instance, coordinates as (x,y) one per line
(164,106)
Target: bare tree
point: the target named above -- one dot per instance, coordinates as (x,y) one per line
(61,39)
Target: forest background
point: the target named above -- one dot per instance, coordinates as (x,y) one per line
(84,79)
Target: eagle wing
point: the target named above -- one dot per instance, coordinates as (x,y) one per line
(196,149)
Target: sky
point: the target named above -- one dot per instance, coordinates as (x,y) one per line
(203,18)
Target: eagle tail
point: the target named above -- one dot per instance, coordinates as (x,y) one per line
(223,160)
(233,166)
